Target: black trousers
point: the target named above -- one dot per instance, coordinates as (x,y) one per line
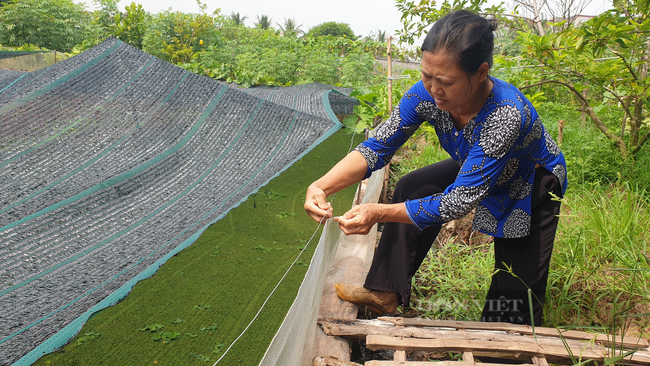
(403,247)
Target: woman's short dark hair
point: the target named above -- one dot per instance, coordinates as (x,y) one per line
(465,37)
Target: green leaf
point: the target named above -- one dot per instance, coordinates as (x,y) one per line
(166,337)
(152,327)
(217,348)
(613,360)
(599,108)
(209,329)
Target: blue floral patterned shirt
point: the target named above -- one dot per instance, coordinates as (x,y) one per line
(497,152)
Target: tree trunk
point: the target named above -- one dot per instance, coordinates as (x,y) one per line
(637,118)
(626,105)
(636,122)
(583,115)
(537,19)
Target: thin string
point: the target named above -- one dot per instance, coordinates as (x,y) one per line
(287,272)
(272,292)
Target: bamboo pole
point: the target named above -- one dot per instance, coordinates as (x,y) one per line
(390,74)
(390,110)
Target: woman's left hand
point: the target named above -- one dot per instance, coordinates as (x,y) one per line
(360,219)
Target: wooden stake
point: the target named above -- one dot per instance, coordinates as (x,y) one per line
(539,361)
(399,356)
(468,357)
(390,110)
(384,190)
(390,75)
(560,131)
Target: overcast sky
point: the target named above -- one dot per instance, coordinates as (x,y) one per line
(363,16)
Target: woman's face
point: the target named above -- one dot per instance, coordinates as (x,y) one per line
(451,87)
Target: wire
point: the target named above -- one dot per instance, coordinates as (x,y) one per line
(285,273)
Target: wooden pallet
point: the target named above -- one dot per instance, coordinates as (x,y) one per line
(500,341)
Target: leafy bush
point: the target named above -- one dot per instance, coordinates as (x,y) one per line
(332,29)
(53,24)
(251,56)
(131,26)
(176,37)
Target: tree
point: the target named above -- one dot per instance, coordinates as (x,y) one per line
(416,18)
(263,22)
(381,36)
(610,53)
(176,37)
(130,27)
(527,12)
(332,29)
(52,24)
(291,28)
(236,19)
(99,28)
(105,14)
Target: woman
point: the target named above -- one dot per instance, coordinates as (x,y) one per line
(503,165)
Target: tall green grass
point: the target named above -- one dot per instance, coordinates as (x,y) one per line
(452,281)
(600,272)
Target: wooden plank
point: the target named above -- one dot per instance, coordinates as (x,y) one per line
(539,361)
(399,356)
(551,353)
(468,357)
(435,363)
(626,342)
(361,328)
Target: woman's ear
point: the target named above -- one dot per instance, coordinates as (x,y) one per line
(483,71)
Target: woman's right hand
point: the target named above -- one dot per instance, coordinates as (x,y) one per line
(316,204)
(345,173)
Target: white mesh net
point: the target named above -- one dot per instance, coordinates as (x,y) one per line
(296,334)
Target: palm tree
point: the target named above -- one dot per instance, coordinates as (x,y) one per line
(291,27)
(263,22)
(381,36)
(236,19)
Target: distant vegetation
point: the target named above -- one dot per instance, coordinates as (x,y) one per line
(332,29)
(208,43)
